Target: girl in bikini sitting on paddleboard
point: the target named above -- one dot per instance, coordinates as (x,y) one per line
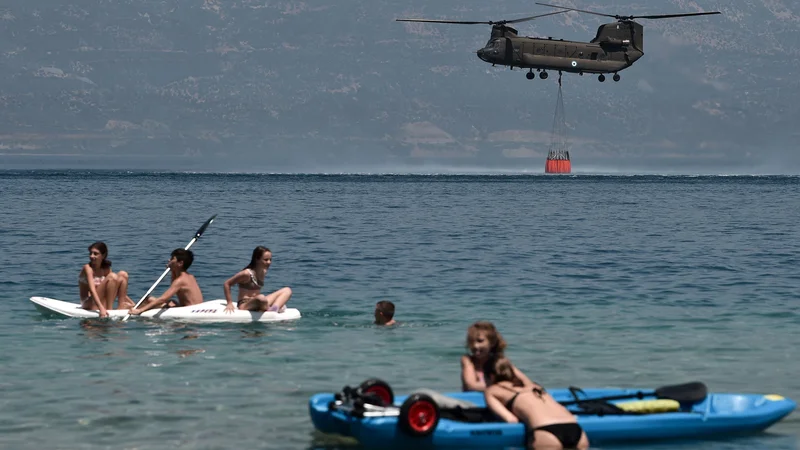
(250,281)
(486,346)
(105,285)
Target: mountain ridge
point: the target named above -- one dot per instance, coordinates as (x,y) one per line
(312,85)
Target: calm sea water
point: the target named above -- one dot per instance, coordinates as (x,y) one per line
(594,281)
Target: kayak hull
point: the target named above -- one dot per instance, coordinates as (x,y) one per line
(718,415)
(212,311)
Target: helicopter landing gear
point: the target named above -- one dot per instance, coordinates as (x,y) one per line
(616,77)
(543,75)
(530,75)
(601,78)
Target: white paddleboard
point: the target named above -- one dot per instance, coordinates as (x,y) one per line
(210,312)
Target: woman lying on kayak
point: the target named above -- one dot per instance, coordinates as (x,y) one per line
(98,285)
(250,281)
(548,423)
(485,345)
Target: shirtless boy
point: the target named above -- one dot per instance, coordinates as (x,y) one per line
(384,313)
(184,286)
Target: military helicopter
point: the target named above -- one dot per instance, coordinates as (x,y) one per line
(616,47)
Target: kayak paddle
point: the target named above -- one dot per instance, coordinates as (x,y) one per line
(194,239)
(682,393)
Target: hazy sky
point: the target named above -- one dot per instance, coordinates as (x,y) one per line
(323,86)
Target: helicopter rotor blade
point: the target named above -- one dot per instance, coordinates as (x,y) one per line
(618,17)
(460,22)
(525,19)
(579,10)
(489,22)
(667,16)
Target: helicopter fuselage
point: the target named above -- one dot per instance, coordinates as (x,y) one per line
(566,56)
(616,47)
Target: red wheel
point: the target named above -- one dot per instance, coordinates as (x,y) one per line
(419,415)
(376,392)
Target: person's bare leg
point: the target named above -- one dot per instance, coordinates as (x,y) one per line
(124,302)
(278,299)
(150,303)
(109,288)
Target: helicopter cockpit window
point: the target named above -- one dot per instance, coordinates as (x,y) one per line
(494,46)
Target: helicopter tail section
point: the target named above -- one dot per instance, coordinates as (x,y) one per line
(637,35)
(620,35)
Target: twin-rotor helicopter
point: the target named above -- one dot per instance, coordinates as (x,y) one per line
(616,46)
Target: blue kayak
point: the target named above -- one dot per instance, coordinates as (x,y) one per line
(426,419)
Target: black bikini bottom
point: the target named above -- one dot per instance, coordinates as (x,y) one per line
(569,434)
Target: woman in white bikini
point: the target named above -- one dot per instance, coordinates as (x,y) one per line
(105,285)
(250,281)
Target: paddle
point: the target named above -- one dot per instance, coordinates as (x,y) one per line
(682,393)
(194,239)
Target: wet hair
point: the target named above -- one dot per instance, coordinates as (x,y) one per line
(503,370)
(103,249)
(386,308)
(496,342)
(184,256)
(258,252)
